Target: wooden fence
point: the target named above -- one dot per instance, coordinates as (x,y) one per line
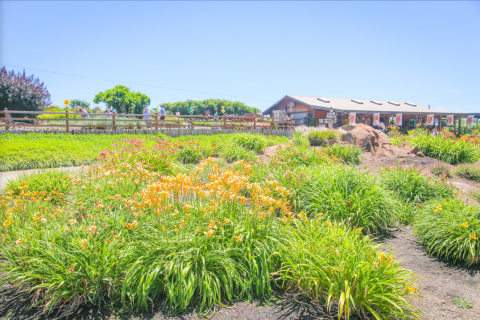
(95,123)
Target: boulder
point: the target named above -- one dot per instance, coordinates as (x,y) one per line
(367,138)
(420,154)
(414,150)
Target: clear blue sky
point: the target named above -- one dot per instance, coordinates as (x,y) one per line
(424,52)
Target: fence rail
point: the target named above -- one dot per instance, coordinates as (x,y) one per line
(87,122)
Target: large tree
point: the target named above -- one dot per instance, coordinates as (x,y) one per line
(22,92)
(123,100)
(214,105)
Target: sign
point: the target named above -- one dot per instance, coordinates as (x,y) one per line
(351,118)
(376,119)
(398,120)
(450,120)
(430,119)
(331,117)
(436,122)
(470,121)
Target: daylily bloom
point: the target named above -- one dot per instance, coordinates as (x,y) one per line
(19,241)
(464,225)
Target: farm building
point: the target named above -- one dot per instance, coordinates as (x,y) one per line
(308,110)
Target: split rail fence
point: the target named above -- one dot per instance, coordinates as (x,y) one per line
(96,123)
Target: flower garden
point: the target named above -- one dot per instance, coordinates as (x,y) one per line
(200,222)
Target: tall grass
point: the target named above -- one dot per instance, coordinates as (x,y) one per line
(468,171)
(335,265)
(449,229)
(346,195)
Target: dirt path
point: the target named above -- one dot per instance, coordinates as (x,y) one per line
(270,151)
(440,281)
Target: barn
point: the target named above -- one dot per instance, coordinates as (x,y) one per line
(311,110)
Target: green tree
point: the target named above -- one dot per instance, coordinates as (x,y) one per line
(214,105)
(122,99)
(79,103)
(140,102)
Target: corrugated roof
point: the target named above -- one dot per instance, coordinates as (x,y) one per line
(364,105)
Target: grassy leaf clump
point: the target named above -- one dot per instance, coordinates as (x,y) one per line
(249,141)
(335,264)
(346,195)
(319,138)
(449,229)
(468,171)
(408,183)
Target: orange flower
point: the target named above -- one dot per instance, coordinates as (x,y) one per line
(464,225)
(19,241)
(93,229)
(66,102)
(212,225)
(209,233)
(73,221)
(6,223)
(238,239)
(474,237)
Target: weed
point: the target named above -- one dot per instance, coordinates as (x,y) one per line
(462,303)
(440,169)
(468,171)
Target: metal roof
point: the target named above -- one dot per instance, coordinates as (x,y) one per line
(364,106)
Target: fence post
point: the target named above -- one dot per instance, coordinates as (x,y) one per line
(113,122)
(156,121)
(255,123)
(224,123)
(66,120)
(6,119)
(191,124)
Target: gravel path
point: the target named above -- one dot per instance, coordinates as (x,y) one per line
(7,175)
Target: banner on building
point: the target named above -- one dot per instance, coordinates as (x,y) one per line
(430,119)
(376,119)
(450,120)
(470,121)
(351,118)
(398,120)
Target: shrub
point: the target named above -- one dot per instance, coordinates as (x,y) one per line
(233,153)
(300,141)
(468,171)
(191,153)
(292,156)
(449,229)
(447,149)
(54,183)
(346,195)
(319,138)
(412,186)
(254,142)
(332,263)
(347,154)
(440,169)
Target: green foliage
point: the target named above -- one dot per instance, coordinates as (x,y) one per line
(233,153)
(123,100)
(449,150)
(77,103)
(48,181)
(319,138)
(475,194)
(449,229)
(254,142)
(47,116)
(347,154)
(300,141)
(462,303)
(468,171)
(291,156)
(191,153)
(335,264)
(346,195)
(408,183)
(213,105)
(22,93)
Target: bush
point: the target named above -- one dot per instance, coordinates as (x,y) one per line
(347,154)
(233,153)
(346,195)
(440,169)
(319,138)
(191,153)
(449,229)
(300,141)
(335,264)
(468,171)
(254,142)
(447,149)
(408,183)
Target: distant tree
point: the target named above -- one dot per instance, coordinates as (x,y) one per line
(79,103)
(140,102)
(19,92)
(213,105)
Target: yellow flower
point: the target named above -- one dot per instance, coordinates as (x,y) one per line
(381,255)
(320,215)
(6,223)
(474,237)
(411,290)
(238,239)
(464,225)
(66,102)
(134,224)
(439,208)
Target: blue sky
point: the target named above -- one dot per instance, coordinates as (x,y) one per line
(424,52)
